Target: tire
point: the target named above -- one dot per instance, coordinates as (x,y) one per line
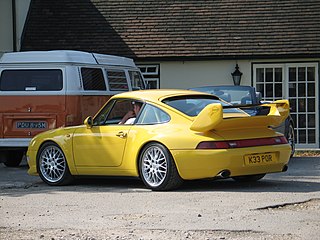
(157,168)
(249,178)
(291,139)
(52,165)
(13,158)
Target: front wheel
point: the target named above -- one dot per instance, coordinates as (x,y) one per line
(248,178)
(52,165)
(157,168)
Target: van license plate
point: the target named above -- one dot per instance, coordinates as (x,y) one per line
(260,159)
(37,125)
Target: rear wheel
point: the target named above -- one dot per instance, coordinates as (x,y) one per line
(52,165)
(248,178)
(157,168)
(13,158)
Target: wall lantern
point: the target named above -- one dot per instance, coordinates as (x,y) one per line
(236,76)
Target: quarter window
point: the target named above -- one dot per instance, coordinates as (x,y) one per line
(152,115)
(31,80)
(93,79)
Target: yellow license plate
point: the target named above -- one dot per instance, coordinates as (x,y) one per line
(260,159)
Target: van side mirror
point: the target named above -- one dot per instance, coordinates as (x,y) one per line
(88,122)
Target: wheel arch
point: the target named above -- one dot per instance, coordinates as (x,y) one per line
(68,155)
(141,149)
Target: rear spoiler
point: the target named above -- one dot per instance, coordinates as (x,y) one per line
(211,117)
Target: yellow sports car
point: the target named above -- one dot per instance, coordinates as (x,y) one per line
(165,137)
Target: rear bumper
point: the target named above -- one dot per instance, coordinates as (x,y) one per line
(14,142)
(197,164)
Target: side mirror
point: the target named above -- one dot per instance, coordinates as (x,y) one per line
(88,122)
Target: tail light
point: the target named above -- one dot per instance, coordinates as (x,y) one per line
(242,143)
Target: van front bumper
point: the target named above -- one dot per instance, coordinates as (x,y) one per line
(14,142)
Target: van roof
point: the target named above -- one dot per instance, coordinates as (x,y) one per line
(64,56)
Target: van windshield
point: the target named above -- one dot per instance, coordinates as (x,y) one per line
(136,80)
(31,80)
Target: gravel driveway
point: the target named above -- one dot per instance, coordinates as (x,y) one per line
(280,206)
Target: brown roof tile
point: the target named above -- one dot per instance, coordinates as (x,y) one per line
(177,28)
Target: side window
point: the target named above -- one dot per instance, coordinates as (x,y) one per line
(31,80)
(117,80)
(152,115)
(113,112)
(136,80)
(93,79)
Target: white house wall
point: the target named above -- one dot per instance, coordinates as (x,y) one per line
(200,73)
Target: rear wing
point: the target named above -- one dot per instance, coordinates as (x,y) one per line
(212,117)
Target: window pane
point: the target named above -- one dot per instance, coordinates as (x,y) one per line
(302,136)
(311,136)
(311,120)
(292,90)
(311,74)
(117,81)
(292,75)
(31,80)
(93,79)
(311,90)
(302,105)
(302,121)
(260,74)
(293,105)
(278,75)
(269,74)
(278,90)
(260,88)
(301,74)
(269,90)
(301,89)
(311,104)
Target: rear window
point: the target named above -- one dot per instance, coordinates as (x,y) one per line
(193,105)
(93,79)
(117,80)
(31,80)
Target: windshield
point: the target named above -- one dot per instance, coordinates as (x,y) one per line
(136,80)
(193,105)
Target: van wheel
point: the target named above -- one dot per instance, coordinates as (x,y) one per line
(157,168)
(13,158)
(52,165)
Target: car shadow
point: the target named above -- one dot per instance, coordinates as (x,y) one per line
(291,181)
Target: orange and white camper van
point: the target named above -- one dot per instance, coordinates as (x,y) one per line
(42,90)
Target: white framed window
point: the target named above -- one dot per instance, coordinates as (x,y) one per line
(151,74)
(297,82)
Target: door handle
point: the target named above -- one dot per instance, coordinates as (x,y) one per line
(121,134)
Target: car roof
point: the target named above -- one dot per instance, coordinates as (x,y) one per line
(156,95)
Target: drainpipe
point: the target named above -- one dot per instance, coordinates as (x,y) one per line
(14,27)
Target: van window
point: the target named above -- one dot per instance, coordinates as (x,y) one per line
(31,80)
(93,79)
(117,80)
(136,80)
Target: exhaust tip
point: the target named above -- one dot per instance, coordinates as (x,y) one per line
(224,174)
(285,168)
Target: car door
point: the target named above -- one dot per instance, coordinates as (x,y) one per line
(100,146)
(104,143)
